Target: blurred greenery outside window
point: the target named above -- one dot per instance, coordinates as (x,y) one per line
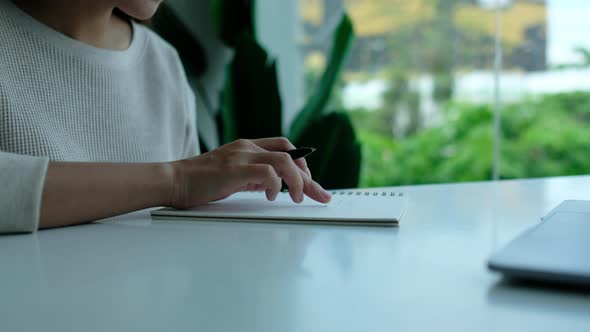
(419,86)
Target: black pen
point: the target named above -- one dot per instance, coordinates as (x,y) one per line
(297,154)
(300,153)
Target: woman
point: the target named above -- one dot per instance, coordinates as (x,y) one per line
(97,119)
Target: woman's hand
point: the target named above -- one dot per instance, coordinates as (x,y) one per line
(76,193)
(244,165)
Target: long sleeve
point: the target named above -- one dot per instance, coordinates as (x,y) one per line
(65,101)
(21,187)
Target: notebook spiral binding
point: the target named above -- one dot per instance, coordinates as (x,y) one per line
(367,193)
(362,193)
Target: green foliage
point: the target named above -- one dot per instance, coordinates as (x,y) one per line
(543,137)
(316,106)
(338,163)
(337,166)
(251,105)
(378,151)
(233,18)
(377,122)
(548,138)
(459,150)
(252,108)
(398,98)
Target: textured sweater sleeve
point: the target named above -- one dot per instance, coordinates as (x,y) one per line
(21,182)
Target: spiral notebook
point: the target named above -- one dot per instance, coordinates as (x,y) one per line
(353,207)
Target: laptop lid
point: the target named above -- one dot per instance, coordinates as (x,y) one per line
(556,250)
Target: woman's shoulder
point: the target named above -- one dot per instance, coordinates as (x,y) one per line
(160,55)
(155,44)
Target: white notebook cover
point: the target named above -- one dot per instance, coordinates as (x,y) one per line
(367,208)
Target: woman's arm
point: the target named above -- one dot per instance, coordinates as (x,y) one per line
(21,186)
(77,193)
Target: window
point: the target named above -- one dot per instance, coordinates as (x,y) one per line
(422,85)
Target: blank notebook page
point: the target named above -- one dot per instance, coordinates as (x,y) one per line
(346,207)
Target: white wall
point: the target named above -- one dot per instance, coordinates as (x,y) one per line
(278,30)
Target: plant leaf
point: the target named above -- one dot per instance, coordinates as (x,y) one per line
(252,106)
(232,18)
(316,105)
(337,163)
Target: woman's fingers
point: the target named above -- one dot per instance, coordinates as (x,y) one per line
(244,165)
(274,144)
(314,191)
(263,177)
(281,144)
(285,168)
(264,162)
(298,181)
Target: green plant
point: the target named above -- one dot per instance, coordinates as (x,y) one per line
(252,108)
(251,104)
(251,101)
(546,136)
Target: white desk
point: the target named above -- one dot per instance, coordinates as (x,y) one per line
(427,275)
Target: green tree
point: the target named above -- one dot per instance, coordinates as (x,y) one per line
(426,46)
(547,136)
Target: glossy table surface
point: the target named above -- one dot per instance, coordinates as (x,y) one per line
(135,274)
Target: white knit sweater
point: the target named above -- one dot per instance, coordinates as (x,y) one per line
(63,100)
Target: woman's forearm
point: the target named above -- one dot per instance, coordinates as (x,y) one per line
(77,193)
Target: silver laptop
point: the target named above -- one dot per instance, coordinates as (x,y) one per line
(556,250)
